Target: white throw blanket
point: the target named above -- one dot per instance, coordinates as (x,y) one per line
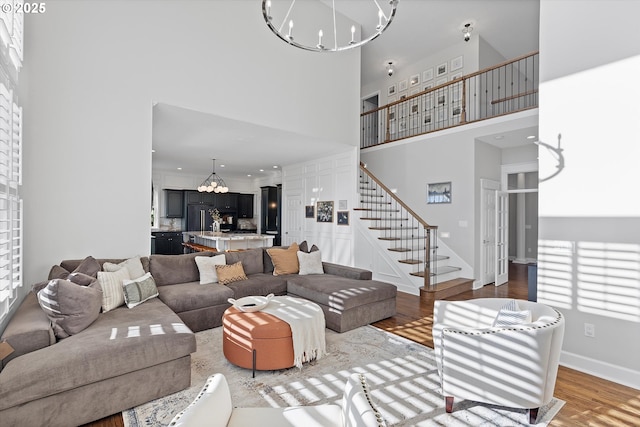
(307,326)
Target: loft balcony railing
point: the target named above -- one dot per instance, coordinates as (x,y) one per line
(503,89)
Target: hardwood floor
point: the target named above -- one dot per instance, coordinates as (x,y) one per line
(591,401)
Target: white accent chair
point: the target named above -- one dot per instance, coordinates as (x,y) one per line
(213,408)
(514,366)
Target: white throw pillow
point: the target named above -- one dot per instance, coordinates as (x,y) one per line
(511,315)
(134,265)
(310,263)
(207,267)
(111,284)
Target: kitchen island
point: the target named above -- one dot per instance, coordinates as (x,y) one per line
(227,241)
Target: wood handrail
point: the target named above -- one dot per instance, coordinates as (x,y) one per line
(396,198)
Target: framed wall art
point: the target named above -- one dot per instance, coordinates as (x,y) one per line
(439,192)
(391,90)
(324,211)
(343,217)
(441,70)
(403,85)
(414,80)
(427,75)
(456,63)
(309,211)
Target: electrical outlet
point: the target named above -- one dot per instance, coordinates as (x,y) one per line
(589,330)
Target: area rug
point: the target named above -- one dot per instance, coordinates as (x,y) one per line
(401,373)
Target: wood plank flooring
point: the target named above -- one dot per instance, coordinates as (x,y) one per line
(591,401)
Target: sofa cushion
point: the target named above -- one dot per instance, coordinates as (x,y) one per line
(207,267)
(174,269)
(72,264)
(71,308)
(285,261)
(339,292)
(230,273)
(139,290)
(117,343)
(134,265)
(28,330)
(259,284)
(193,296)
(252,261)
(111,286)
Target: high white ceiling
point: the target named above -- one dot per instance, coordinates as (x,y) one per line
(420,27)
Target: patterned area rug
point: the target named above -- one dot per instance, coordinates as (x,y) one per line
(401,374)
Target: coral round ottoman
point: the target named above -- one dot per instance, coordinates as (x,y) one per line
(256,340)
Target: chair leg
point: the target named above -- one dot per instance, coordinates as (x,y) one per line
(448,404)
(533,415)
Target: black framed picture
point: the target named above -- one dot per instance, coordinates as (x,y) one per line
(309,211)
(324,211)
(343,217)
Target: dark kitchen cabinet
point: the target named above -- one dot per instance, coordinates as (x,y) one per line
(168,242)
(174,203)
(198,198)
(245,205)
(227,202)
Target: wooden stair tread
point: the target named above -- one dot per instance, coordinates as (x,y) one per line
(441,270)
(392,228)
(405,249)
(413,261)
(445,289)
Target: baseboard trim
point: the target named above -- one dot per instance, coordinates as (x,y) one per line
(607,371)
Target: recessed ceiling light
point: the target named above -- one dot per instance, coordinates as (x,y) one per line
(261,170)
(221,166)
(499,137)
(275,166)
(153,151)
(179,169)
(531,137)
(248,174)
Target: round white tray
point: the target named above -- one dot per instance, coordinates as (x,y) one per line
(251,304)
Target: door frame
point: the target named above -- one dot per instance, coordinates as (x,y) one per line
(379,121)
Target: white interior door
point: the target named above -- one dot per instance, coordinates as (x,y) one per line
(293,217)
(501,247)
(488,191)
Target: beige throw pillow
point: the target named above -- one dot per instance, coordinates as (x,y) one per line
(139,290)
(134,265)
(111,284)
(285,261)
(230,273)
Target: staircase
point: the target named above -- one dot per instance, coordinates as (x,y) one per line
(409,240)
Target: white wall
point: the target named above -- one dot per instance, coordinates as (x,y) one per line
(94,69)
(589,247)
(332,178)
(469,52)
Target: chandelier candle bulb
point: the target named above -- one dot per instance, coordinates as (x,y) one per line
(320,34)
(290,28)
(380,19)
(353,34)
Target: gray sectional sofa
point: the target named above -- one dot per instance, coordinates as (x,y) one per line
(131,356)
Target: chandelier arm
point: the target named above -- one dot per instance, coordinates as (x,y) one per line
(287,15)
(335,29)
(381,10)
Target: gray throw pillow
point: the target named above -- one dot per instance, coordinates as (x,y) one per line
(139,290)
(71,308)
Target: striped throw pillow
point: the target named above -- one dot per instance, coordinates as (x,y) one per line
(111,284)
(139,290)
(510,315)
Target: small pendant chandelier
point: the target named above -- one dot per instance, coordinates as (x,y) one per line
(213,183)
